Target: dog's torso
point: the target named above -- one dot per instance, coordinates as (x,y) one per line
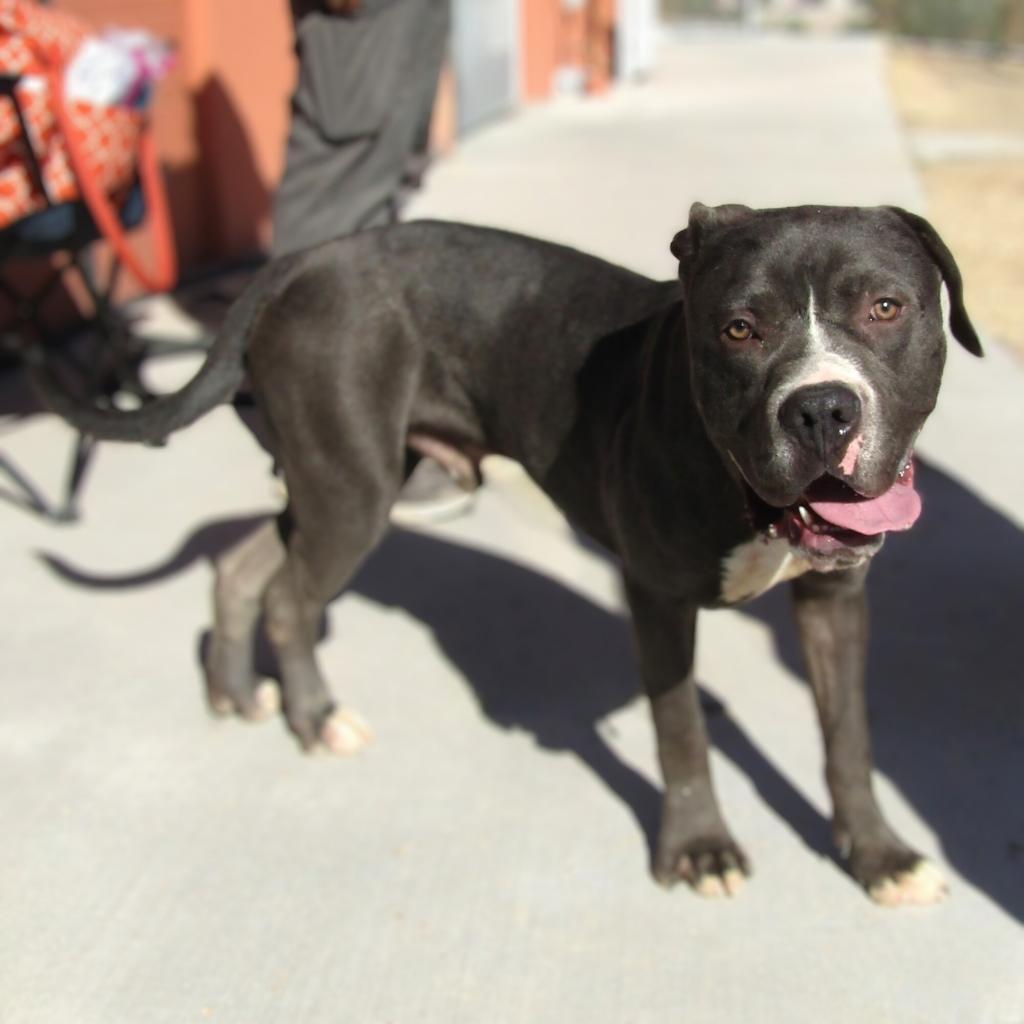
(584,393)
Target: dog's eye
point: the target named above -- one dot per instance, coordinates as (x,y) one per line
(886,309)
(739,330)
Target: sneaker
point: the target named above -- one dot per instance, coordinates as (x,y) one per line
(430,495)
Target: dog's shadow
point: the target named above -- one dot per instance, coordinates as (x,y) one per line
(948,710)
(542,658)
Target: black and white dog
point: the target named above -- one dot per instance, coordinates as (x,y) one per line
(751,423)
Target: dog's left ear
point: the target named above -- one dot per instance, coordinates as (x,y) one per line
(959,322)
(704,220)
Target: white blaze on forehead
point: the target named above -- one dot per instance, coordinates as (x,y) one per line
(819,342)
(820,364)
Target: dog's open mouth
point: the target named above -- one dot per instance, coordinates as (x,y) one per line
(831,516)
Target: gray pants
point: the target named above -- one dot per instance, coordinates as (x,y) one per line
(360,114)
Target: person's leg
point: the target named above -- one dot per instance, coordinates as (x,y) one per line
(412,127)
(420,40)
(366,86)
(357,115)
(314,201)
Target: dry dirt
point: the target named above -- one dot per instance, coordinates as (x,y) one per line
(977,204)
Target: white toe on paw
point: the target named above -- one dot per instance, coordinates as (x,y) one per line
(733,880)
(221,704)
(710,887)
(266,702)
(723,886)
(345,732)
(922,884)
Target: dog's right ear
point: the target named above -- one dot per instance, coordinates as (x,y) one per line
(703,221)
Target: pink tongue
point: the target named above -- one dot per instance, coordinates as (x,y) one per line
(897,509)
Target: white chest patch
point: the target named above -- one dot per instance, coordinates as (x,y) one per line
(756,566)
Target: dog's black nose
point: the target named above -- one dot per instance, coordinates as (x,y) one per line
(822,418)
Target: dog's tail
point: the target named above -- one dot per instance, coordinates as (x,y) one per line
(216,381)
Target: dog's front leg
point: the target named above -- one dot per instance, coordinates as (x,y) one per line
(694,843)
(832,615)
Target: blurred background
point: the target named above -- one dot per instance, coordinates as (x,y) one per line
(955,68)
(486,862)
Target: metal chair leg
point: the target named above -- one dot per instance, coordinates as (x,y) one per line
(31,496)
(80,460)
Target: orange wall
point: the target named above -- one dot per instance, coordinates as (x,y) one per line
(240,70)
(540,23)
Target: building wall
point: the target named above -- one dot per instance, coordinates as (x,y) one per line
(567,45)
(241,71)
(540,26)
(485,55)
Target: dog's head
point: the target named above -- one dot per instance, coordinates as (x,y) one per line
(817,343)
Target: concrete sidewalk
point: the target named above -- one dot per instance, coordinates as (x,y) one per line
(486,861)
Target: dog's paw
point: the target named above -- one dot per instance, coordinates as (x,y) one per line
(898,877)
(232,688)
(220,703)
(345,732)
(262,702)
(917,886)
(714,868)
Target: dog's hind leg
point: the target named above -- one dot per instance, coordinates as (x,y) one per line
(242,576)
(331,534)
(337,366)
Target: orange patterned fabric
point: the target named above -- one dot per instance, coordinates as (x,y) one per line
(34,41)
